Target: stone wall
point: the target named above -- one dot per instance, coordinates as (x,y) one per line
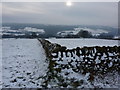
(88,59)
(93,60)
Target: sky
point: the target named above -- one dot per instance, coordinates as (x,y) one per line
(79,13)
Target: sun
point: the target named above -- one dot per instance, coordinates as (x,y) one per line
(68,3)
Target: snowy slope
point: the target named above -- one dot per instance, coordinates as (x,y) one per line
(98,31)
(77,30)
(21,32)
(23,63)
(73,43)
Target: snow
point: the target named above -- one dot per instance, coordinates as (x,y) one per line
(81,42)
(98,61)
(116,37)
(70,71)
(30,29)
(65,33)
(23,63)
(77,30)
(109,80)
(98,31)
(110,65)
(5,28)
(20,32)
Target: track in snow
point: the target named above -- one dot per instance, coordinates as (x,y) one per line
(23,63)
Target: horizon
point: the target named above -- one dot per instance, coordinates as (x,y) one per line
(59,24)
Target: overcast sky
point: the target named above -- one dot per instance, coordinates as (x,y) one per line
(82,13)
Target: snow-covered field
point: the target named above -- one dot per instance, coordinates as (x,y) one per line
(23,60)
(73,43)
(23,63)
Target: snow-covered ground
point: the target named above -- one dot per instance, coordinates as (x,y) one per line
(23,63)
(77,30)
(73,43)
(23,60)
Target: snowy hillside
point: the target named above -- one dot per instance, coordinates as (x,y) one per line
(21,32)
(94,32)
(73,43)
(77,30)
(29,29)
(23,63)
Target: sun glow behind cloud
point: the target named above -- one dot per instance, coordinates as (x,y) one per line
(45,12)
(69,3)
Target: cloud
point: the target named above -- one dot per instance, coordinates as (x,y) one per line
(89,13)
(21,8)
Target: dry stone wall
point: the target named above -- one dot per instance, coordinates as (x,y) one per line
(89,61)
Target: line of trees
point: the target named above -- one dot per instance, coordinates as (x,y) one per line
(80,34)
(84,34)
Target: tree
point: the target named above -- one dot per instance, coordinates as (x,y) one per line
(33,34)
(84,34)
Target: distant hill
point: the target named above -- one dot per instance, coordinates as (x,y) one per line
(52,30)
